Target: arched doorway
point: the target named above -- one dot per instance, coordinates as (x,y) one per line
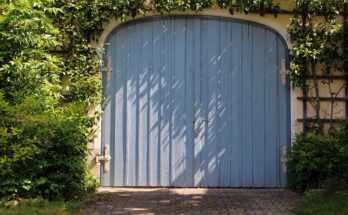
(195,101)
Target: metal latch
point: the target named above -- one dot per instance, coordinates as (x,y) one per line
(105,159)
(108,69)
(284,72)
(284,159)
(199,124)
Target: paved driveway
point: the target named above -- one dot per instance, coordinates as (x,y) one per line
(194,201)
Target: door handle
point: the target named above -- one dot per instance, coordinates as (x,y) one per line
(201,121)
(205,120)
(198,124)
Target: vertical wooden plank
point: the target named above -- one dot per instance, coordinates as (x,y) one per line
(283,113)
(271,73)
(120,112)
(189,102)
(125,110)
(138,67)
(112,126)
(132,103)
(204,85)
(224,104)
(172,82)
(161,134)
(212,143)
(166,105)
(179,116)
(246,105)
(197,86)
(258,107)
(156,43)
(148,92)
(144,104)
(235,114)
(107,137)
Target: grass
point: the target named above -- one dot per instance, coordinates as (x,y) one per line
(44,207)
(317,203)
(54,208)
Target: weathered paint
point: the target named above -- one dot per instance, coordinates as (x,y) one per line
(195,102)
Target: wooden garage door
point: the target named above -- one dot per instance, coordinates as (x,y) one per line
(195,102)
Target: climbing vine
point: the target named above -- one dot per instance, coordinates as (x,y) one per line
(260,6)
(319,54)
(81,21)
(316,31)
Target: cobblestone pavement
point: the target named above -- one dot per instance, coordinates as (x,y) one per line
(194,201)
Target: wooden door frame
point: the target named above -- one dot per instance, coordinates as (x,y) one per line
(253,19)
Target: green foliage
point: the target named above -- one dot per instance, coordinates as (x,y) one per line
(316,160)
(37,206)
(34,207)
(25,66)
(318,48)
(320,7)
(247,6)
(334,185)
(195,5)
(317,203)
(43,153)
(315,43)
(43,138)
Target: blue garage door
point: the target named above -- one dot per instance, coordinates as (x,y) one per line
(195,102)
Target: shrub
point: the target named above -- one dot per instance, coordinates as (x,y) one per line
(43,154)
(315,161)
(43,139)
(317,203)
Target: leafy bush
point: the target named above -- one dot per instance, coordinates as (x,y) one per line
(316,161)
(317,203)
(43,154)
(43,139)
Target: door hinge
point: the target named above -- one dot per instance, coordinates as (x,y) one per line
(284,72)
(105,158)
(108,69)
(284,159)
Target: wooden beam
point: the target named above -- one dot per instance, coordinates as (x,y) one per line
(304,88)
(322,120)
(345,44)
(328,77)
(337,99)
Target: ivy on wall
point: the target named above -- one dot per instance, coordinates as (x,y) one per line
(81,21)
(319,54)
(315,43)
